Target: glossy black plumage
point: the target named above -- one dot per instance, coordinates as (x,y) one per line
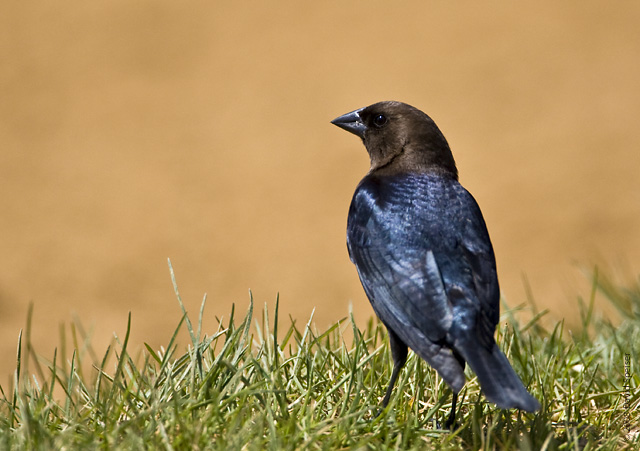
(423,254)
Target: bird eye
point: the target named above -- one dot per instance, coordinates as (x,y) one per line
(379,120)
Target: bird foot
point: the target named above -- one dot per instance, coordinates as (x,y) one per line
(451,424)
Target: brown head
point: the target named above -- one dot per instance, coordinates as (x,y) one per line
(400,138)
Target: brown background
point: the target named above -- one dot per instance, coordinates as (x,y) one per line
(135,131)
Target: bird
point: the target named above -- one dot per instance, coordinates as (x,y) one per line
(424,257)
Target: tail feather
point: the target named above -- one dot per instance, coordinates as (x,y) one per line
(500,383)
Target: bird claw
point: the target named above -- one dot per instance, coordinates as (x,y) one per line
(448,425)
(451,425)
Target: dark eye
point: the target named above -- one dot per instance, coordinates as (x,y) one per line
(379,120)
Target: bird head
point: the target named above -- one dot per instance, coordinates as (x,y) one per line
(399,138)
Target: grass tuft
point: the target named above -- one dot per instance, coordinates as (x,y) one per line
(257,383)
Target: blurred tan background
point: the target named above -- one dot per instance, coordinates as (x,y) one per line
(131,132)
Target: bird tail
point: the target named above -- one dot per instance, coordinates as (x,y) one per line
(500,383)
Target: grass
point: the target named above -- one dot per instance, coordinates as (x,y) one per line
(280,385)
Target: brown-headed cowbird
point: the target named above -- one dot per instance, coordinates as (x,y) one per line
(423,254)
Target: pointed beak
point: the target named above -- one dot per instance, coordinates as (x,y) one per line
(351,122)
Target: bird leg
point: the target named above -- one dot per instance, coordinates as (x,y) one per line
(399,353)
(394,375)
(449,424)
(451,420)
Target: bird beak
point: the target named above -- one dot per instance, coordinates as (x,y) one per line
(351,122)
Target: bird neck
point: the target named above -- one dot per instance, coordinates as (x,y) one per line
(426,160)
